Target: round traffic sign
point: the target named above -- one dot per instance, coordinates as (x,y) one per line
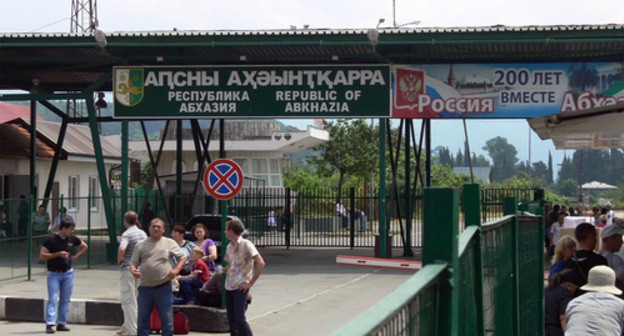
(223,179)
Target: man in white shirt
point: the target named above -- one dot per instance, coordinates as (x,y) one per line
(599,311)
(611,244)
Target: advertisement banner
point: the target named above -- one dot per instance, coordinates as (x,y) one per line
(503,91)
(345,91)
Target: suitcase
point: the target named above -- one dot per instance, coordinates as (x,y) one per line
(181,324)
(155,323)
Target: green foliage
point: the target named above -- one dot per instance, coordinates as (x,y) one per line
(352,150)
(597,165)
(568,187)
(146,177)
(554,198)
(443,176)
(301,179)
(503,156)
(521,181)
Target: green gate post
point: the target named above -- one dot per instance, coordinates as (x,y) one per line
(124,171)
(472,216)
(510,207)
(89,202)
(352,217)
(383,232)
(540,211)
(440,245)
(29,234)
(112,246)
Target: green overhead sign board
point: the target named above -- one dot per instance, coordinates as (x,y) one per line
(252,92)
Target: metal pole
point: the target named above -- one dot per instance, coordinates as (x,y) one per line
(124,168)
(427,152)
(383,232)
(179,158)
(33,152)
(394,14)
(112,246)
(407,247)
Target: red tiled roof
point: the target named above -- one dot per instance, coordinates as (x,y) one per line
(10,112)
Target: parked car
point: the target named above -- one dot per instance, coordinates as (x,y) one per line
(213,223)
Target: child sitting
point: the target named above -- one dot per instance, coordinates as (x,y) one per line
(199,275)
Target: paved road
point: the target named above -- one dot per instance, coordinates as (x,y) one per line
(302,292)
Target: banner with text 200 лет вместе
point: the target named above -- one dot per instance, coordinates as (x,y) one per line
(503,91)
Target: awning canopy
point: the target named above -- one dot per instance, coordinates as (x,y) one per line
(596,128)
(74,62)
(595,185)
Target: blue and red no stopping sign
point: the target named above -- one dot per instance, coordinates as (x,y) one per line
(223,179)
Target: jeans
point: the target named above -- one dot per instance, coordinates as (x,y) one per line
(187,289)
(160,297)
(60,286)
(236,301)
(128,295)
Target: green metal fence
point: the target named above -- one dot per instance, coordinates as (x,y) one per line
(312,219)
(20,242)
(488,280)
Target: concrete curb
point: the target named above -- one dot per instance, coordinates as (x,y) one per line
(205,319)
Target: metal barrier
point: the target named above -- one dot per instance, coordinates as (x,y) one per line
(20,242)
(475,278)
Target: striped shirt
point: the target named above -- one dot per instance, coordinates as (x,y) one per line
(129,239)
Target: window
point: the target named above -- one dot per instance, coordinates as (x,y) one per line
(94,193)
(73,194)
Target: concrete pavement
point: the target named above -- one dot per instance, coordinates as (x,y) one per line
(302,291)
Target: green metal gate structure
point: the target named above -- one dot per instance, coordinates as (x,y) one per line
(486,280)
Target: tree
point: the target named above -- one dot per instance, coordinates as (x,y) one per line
(352,150)
(480,161)
(443,176)
(540,171)
(568,187)
(459,159)
(503,157)
(582,75)
(550,174)
(444,156)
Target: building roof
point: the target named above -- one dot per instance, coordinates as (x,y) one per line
(601,127)
(15,141)
(482,173)
(282,141)
(10,112)
(74,62)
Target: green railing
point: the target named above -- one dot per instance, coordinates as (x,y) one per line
(20,242)
(488,280)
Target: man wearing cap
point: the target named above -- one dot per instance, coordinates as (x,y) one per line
(599,311)
(611,243)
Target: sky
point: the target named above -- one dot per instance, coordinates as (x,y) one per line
(29,16)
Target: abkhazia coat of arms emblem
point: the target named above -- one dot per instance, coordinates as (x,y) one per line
(128,84)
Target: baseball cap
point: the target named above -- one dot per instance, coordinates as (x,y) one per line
(612,230)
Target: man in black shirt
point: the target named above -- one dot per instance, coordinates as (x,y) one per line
(56,250)
(584,258)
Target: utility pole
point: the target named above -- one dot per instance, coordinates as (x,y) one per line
(83,20)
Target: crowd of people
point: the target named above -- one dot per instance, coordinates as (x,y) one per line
(157,271)
(584,292)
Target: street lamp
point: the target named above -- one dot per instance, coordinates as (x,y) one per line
(394,23)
